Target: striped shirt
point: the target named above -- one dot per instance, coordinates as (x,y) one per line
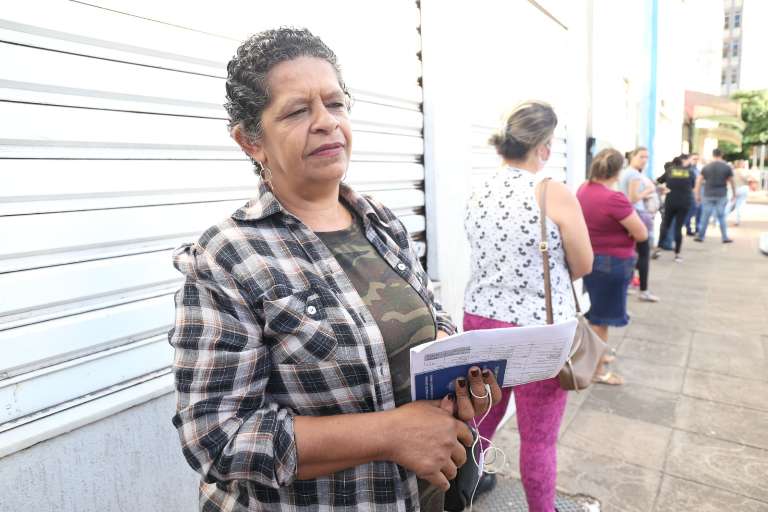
(268,326)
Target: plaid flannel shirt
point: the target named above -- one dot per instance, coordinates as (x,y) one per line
(268,326)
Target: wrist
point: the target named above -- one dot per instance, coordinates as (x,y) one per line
(386,436)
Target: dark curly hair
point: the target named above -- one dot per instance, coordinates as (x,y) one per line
(247,91)
(530,124)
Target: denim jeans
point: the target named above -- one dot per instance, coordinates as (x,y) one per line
(709,206)
(607,288)
(738,202)
(694,214)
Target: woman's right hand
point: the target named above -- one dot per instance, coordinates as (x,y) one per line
(429,441)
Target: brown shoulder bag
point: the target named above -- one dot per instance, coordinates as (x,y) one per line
(587,349)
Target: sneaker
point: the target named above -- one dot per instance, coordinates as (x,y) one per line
(647,296)
(697,239)
(727,241)
(655,254)
(678,258)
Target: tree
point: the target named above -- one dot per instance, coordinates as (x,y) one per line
(754,113)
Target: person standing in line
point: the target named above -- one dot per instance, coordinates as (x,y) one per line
(297,313)
(506,286)
(641,192)
(712,192)
(694,214)
(614,230)
(679,180)
(741,184)
(669,241)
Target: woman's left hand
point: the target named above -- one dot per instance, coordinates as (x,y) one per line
(471,395)
(441,335)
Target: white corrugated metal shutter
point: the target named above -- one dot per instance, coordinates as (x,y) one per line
(114,150)
(485,160)
(520,57)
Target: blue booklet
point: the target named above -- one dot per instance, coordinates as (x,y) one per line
(436,384)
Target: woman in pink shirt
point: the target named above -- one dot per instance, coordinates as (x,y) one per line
(614,229)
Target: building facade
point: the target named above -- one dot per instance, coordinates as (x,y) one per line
(744,43)
(115,142)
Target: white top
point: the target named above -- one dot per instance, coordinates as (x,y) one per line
(507,271)
(627,176)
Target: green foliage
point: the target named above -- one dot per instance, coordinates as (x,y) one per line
(754,112)
(731,151)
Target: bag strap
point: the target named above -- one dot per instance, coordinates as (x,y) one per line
(544,248)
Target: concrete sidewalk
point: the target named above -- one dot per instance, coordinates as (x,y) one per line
(689,430)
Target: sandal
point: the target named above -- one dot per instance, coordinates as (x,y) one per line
(608,378)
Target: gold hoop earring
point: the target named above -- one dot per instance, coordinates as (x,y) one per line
(266,174)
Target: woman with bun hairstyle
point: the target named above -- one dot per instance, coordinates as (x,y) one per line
(506,287)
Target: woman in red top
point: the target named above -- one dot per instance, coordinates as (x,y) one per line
(614,229)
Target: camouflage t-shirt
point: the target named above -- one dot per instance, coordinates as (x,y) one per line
(402,316)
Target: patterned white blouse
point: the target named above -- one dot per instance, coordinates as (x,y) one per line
(507,277)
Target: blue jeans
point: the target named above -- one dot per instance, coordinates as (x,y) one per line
(716,205)
(738,202)
(669,241)
(693,214)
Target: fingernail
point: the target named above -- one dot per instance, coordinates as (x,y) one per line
(474,372)
(462,382)
(450,397)
(486,373)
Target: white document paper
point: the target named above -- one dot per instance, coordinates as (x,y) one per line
(522,354)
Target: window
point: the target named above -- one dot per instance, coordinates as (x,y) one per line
(727,21)
(735,50)
(734,77)
(722,78)
(726,47)
(737,20)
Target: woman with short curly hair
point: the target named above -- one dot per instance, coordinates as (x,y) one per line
(295,321)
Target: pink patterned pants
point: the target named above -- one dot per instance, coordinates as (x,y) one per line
(540,407)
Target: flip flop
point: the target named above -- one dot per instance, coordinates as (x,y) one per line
(608,378)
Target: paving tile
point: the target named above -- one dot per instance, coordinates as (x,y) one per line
(735,366)
(730,323)
(654,352)
(729,422)
(744,345)
(722,388)
(620,486)
(637,309)
(678,495)
(715,302)
(634,402)
(729,466)
(575,401)
(663,377)
(633,441)
(659,333)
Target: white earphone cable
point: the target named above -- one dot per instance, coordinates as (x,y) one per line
(484,452)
